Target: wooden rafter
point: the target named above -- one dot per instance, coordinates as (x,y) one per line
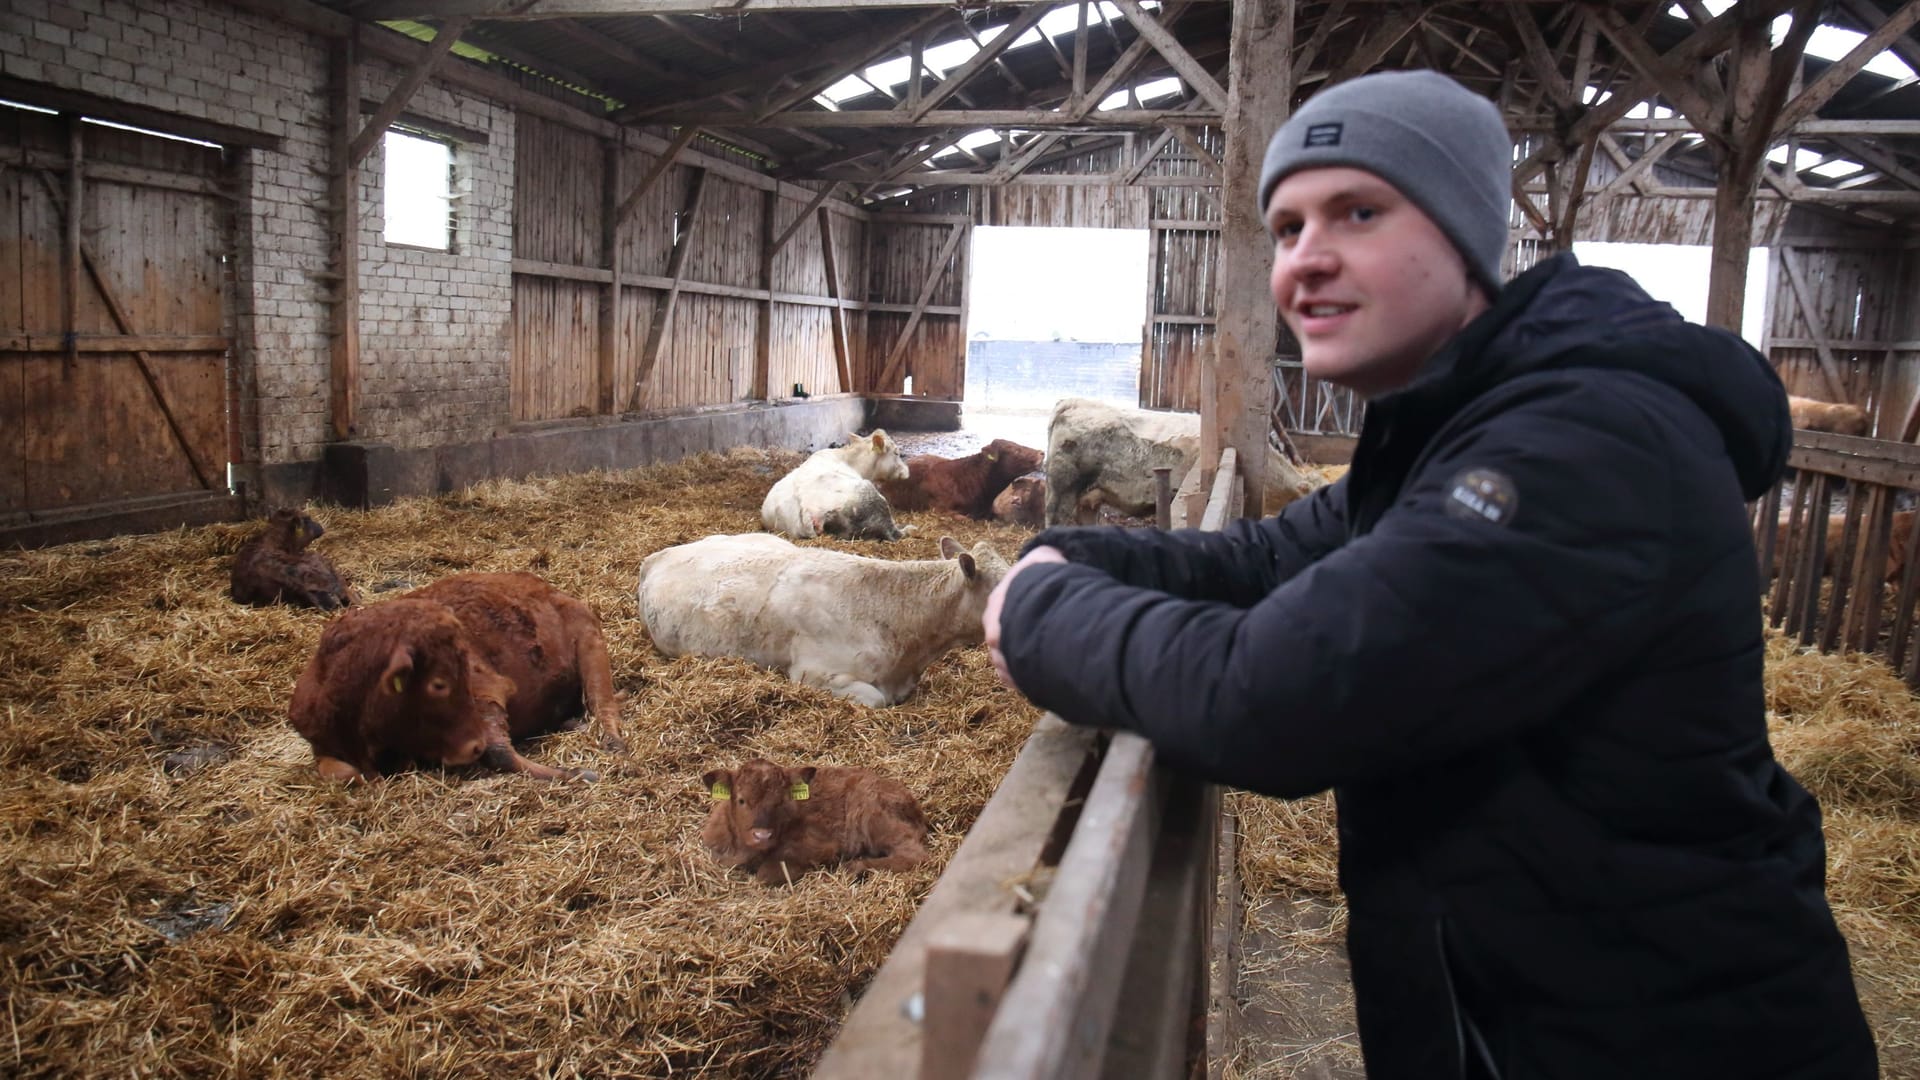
(1677,86)
(1146,158)
(660,166)
(1880,159)
(443,41)
(1175,53)
(1310,52)
(958,76)
(1123,65)
(939,270)
(952,118)
(800,219)
(1381,38)
(1029,154)
(1823,87)
(661,323)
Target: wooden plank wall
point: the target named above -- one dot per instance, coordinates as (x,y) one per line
(156,216)
(902,258)
(1182,264)
(1837,292)
(707,353)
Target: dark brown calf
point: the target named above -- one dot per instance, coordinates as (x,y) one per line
(274,566)
(452,674)
(963,485)
(777,823)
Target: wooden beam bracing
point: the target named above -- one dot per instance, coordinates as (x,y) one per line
(1797,283)
(958,77)
(1822,88)
(443,41)
(659,168)
(837,314)
(1175,53)
(662,322)
(939,270)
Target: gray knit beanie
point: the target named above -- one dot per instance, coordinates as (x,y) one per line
(1443,146)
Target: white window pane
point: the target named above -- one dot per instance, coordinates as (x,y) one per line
(418,175)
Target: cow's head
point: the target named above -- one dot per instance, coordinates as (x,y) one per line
(424,695)
(761,799)
(879,458)
(293,529)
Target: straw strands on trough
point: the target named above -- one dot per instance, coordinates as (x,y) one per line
(184,896)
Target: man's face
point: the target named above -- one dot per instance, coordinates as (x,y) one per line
(1365,280)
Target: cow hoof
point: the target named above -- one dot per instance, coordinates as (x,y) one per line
(585,776)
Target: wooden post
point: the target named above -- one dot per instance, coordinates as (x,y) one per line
(842,352)
(344,201)
(1236,413)
(1163,496)
(70,253)
(611,310)
(970,959)
(763,332)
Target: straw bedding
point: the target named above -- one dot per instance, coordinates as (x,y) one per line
(1845,726)
(183,896)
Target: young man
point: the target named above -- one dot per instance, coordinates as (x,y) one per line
(1520,640)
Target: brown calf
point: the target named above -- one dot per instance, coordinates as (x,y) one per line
(777,823)
(274,566)
(963,485)
(1812,415)
(1897,541)
(452,674)
(1024,502)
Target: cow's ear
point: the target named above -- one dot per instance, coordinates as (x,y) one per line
(949,547)
(399,669)
(719,784)
(879,440)
(968,566)
(799,783)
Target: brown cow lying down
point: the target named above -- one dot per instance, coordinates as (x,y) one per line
(963,485)
(452,674)
(275,567)
(777,823)
(1024,502)
(1836,531)
(1813,415)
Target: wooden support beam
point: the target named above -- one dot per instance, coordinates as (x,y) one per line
(1379,40)
(1881,160)
(1677,86)
(1630,175)
(443,41)
(1822,88)
(343,203)
(763,315)
(1026,20)
(842,347)
(872,49)
(1122,66)
(897,355)
(1153,151)
(612,312)
(800,219)
(1329,22)
(662,322)
(1237,413)
(1028,155)
(1080,46)
(1175,53)
(1112,120)
(659,168)
(970,959)
(70,248)
(70,212)
(1797,282)
(1187,139)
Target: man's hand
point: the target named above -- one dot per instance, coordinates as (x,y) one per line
(990,619)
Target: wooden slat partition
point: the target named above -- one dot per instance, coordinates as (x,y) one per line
(1111,979)
(1844,579)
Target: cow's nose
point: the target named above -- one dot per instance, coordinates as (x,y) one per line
(468,752)
(760,836)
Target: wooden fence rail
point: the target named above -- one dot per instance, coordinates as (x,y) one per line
(1840,566)
(1071,934)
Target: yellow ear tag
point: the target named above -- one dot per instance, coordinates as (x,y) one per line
(721,792)
(798,791)
(399,685)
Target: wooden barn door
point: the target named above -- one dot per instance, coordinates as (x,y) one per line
(113,339)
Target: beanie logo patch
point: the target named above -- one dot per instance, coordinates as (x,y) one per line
(1323,134)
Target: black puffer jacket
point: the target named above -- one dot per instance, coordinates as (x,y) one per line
(1522,641)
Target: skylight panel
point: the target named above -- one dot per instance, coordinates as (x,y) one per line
(1837,168)
(1832,43)
(1803,161)
(1158,88)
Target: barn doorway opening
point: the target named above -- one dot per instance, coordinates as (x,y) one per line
(1052,313)
(1677,274)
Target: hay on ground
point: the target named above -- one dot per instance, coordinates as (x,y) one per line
(186,897)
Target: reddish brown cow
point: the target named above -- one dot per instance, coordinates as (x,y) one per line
(777,823)
(274,566)
(963,485)
(1810,414)
(452,674)
(1897,541)
(1024,502)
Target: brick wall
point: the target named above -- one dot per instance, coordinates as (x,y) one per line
(435,328)
(1013,376)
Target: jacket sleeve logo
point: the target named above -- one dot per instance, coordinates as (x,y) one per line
(1484,495)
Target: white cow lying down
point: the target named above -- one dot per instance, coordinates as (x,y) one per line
(862,628)
(832,492)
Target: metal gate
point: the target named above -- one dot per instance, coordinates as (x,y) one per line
(114,346)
